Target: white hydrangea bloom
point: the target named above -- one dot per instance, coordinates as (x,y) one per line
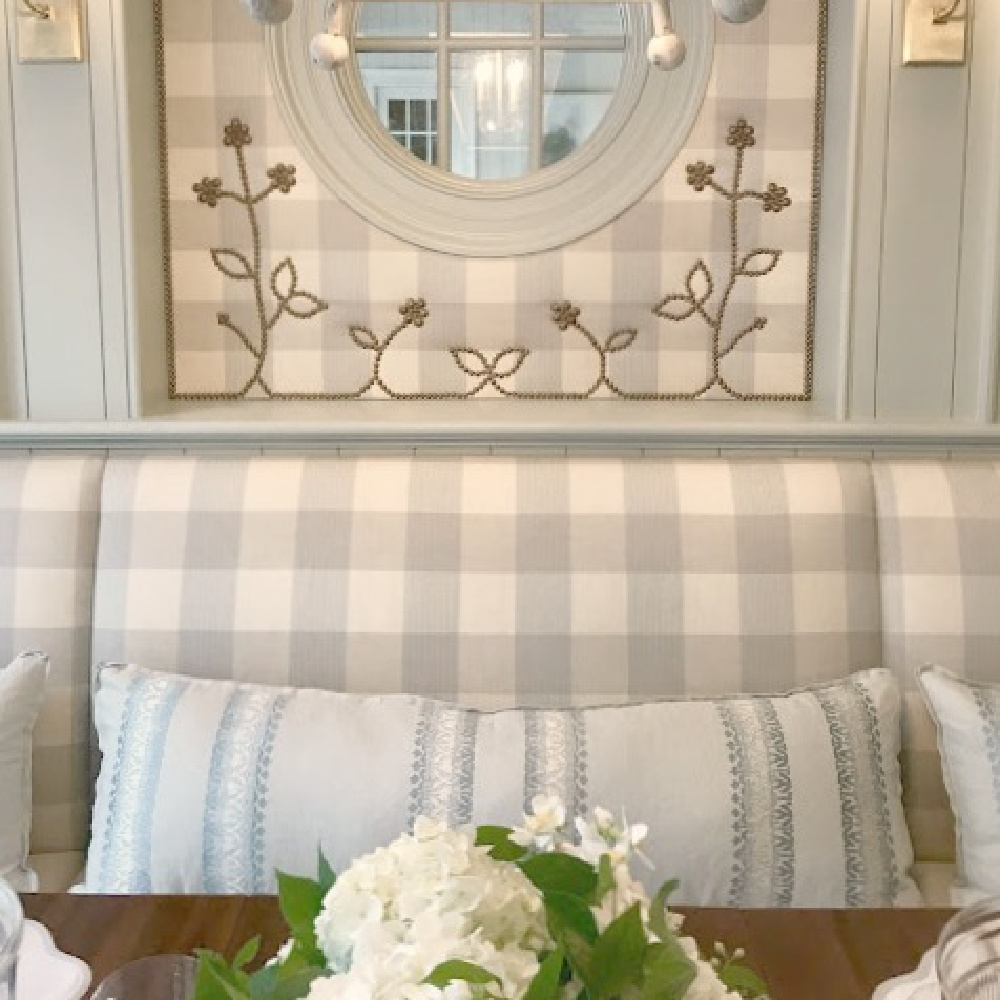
(433,896)
(427,898)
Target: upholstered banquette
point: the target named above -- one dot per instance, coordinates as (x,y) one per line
(495,582)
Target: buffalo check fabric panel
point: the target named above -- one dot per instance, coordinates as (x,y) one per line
(939,540)
(495,581)
(764,72)
(48,543)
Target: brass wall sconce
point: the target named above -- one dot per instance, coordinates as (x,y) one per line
(49,31)
(934,32)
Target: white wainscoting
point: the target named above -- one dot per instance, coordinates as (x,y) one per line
(907,309)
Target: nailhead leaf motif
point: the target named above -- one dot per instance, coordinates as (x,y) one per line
(706,298)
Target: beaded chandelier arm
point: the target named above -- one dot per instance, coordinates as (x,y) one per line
(666,48)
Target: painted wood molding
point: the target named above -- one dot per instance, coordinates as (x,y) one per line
(617,436)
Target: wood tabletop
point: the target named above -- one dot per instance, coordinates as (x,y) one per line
(802,954)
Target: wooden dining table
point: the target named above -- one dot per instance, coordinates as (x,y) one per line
(802,954)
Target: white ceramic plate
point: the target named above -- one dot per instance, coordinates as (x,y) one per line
(921,984)
(46,973)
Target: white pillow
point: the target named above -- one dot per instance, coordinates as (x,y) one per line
(967,715)
(208,786)
(22,688)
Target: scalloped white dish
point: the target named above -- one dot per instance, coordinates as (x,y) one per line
(920,984)
(46,973)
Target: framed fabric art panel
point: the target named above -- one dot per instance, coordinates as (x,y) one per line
(704,289)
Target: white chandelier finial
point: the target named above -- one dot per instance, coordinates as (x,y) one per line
(330,49)
(666,49)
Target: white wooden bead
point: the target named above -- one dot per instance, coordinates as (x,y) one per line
(666,51)
(329,51)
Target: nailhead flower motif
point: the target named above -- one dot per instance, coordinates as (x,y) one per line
(415,312)
(237,134)
(565,315)
(282,176)
(775,198)
(209,191)
(741,135)
(699,175)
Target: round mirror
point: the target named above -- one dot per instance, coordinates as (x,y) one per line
(490,128)
(490,91)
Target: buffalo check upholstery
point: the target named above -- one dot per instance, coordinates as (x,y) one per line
(493,582)
(939,551)
(48,544)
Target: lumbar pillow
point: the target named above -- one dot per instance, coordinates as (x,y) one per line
(209,786)
(22,688)
(967,715)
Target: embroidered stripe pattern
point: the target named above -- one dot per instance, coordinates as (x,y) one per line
(869,732)
(738,769)
(236,797)
(128,843)
(850,815)
(865,816)
(754,875)
(555,758)
(990,718)
(782,817)
(444,764)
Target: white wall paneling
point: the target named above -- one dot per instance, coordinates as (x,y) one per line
(12,384)
(845,87)
(110,172)
(872,125)
(978,323)
(925,178)
(54,161)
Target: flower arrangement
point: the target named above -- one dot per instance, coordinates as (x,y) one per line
(545,911)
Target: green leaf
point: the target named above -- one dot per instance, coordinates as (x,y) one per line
(448,972)
(617,958)
(327,877)
(669,973)
(560,873)
(497,839)
(301,900)
(579,955)
(743,980)
(271,983)
(215,980)
(565,912)
(247,953)
(547,981)
(605,879)
(658,909)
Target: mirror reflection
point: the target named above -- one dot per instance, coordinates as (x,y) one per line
(490,91)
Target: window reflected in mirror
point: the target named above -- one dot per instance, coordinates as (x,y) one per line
(490,91)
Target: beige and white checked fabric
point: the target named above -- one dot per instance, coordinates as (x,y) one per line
(493,581)
(764,72)
(48,544)
(939,550)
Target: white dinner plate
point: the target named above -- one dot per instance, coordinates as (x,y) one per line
(920,984)
(46,973)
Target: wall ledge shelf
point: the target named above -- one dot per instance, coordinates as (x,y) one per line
(390,431)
